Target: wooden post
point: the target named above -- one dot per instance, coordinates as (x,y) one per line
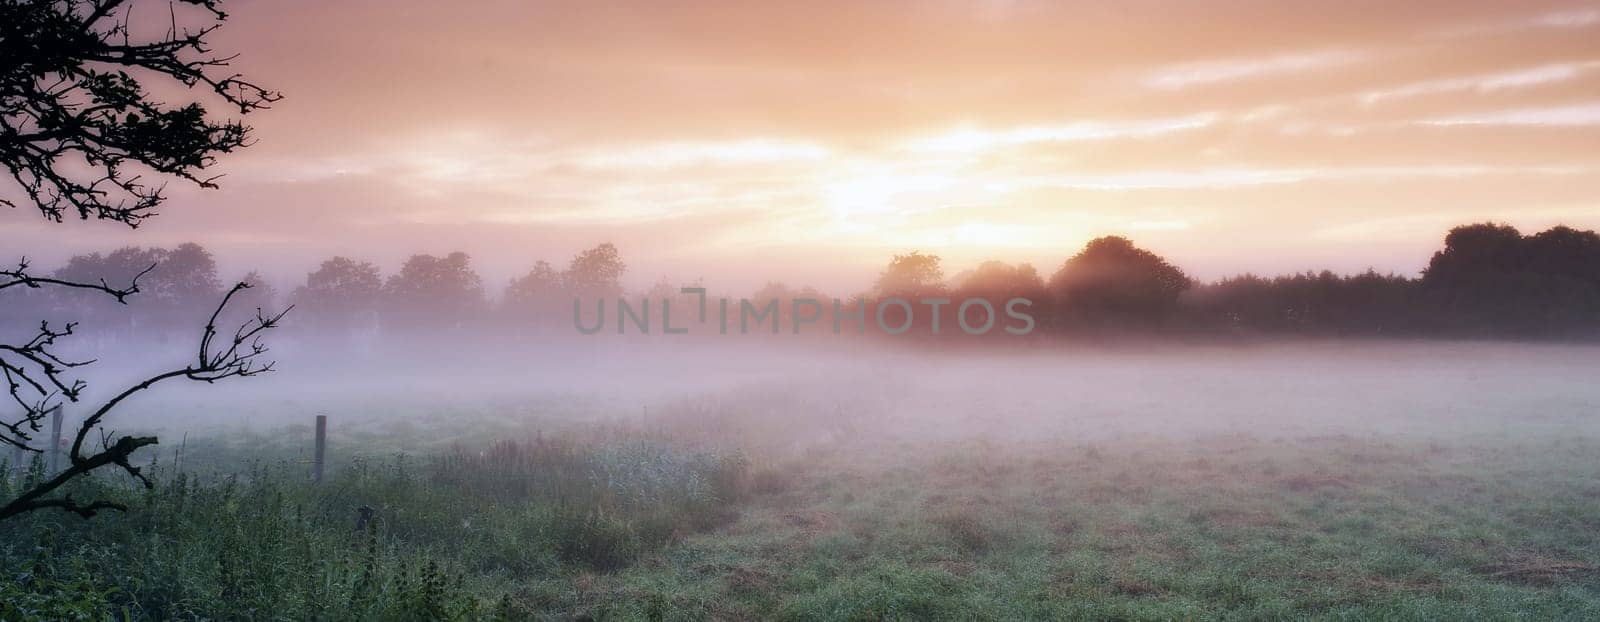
(322,448)
(52,456)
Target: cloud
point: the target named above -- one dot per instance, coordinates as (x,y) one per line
(1567,19)
(1556,20)
(1175,77)
(674,154)
(1576,115)
(1221,178)
(972,139)
(1521,78)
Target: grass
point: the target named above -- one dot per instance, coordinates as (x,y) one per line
(1137,528)
(450,536)
(1243,529)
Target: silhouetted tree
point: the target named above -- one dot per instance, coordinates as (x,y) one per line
(77,127)
(442,292)
(261,295)
(775,295)
(79,134)
(998,282)
(1472,250)
(106,315)
(911,276)
(1309,303)
(186,274)
(340,295)
(177,284)
(118,266)
(537,298)
(1564,251)
(183,283)
(1111,282)
(595,273)
(685,307)
(1489,278)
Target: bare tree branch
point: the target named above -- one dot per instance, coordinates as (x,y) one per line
(34,369)
(78,134)
(19,276)
(68,97)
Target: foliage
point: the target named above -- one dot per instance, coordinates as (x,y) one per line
(1111,281)
(911,276)
(340,294)
(1491,278)
(78,128)
(78,134)
(39,381)
(441,290)
(595,273)
(1323,303)
(1488,280)
(450,536)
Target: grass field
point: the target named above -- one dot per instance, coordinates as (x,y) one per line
(741,506)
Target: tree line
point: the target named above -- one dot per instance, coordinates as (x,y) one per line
(1487,280)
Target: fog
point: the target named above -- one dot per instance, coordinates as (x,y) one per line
(784,399)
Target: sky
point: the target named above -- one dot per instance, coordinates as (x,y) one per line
(807,142)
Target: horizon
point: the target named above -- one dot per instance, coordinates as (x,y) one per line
(633,284)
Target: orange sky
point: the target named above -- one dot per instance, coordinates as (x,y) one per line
(806,142)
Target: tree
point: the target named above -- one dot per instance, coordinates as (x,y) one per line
(1316,303)
(261,295)
(176,286)
(79,131)
(1489,278)
(1111,281)
(595,273)
(78,135)
(911,276)
(998,281)
(340,294)
(535,297)
(119,266)
(38,383)
(184,277)
(1475,250)
(438,290)
(770,293)
(1564,251)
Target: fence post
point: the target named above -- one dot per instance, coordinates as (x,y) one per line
(52,457)
(322,448)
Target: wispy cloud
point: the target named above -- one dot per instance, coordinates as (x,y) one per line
(1244,177)
(1521,78)
(673,154)
(974,139)
(1564,19)
(1568,19)
(1186,75)
(1576,115)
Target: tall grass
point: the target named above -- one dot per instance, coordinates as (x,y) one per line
(449,535)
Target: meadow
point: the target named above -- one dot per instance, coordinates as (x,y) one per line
(1396,481)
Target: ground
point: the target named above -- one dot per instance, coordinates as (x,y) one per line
(1253,528)
(1365,481)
